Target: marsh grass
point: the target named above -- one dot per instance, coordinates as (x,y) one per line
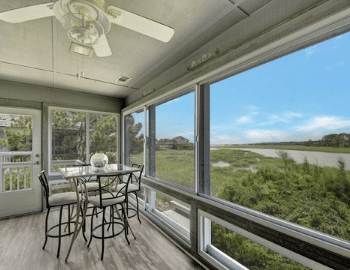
(309,195)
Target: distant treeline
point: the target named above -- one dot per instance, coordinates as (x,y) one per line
(341,140)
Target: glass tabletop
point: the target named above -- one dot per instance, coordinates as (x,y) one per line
(83,171)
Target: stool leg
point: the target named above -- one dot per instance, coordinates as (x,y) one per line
(103,233)
(68,218)
(83,224)
(92,225)
(112,218)
(125,224)
(59,232)
(46,221)
(137,207)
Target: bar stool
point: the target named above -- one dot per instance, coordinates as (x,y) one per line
(134,188)
(105,199)
(57,200)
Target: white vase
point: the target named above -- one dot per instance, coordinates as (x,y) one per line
(99,160)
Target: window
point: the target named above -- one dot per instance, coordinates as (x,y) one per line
(77,135)
(231,247)
(134,138)
(174,136)
(168,155)
(171,210)
(15,152)
(280,138)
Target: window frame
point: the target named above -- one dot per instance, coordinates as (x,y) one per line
(51,174)
(205,205)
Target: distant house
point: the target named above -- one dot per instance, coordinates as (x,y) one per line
(164,143)
(180,140)
(170,143)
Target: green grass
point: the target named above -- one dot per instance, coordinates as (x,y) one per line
(305,194)
(176,166)
(309,195)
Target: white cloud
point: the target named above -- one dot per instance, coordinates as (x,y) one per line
(339,37)
(311,50)
(336,65)
(292,115)
(252,109)
(325,122)
(244,120)
(225,139)
(285,117)
(260,135)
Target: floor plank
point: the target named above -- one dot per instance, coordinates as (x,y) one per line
(22,239)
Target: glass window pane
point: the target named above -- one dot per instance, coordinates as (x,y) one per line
(280,138)
(174,212)
(103,135)
(16,136)
(248,253)
(174,133)
(68,137)
(134,135)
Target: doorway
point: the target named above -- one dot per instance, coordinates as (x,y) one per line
(20,161)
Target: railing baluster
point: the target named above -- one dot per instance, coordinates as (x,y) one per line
(10,179)
(25,178)
(18,174)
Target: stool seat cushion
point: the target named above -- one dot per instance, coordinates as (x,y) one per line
(62,199)
(90,186)
(131,188)
(108,199)
(137,174)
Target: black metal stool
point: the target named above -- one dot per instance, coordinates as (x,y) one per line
(109,199)
(57,200)
(134,187)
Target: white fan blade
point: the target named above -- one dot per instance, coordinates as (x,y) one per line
(140,24)
(101,47)
(27,13)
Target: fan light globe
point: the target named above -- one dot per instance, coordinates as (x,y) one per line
(81,30)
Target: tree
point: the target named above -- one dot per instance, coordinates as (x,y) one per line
(134,141)
(68,135)
(19,134)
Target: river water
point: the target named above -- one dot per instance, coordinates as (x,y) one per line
(318,158)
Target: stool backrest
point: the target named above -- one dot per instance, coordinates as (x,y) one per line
(45,184)
(106,189)
(136,177)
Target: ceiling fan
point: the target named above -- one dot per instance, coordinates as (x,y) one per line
(87,21)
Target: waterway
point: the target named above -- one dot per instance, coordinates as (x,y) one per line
(318,158)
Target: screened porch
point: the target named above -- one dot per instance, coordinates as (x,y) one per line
(240,121)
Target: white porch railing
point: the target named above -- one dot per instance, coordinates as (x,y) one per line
(15,175)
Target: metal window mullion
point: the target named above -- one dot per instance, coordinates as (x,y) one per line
(87,127)
(2,176)
(50,141)
(145,137)
(203,135)
(202,155)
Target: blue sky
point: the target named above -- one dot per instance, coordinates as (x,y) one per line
(299,97)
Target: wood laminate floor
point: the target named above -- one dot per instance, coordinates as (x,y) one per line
(21,240)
